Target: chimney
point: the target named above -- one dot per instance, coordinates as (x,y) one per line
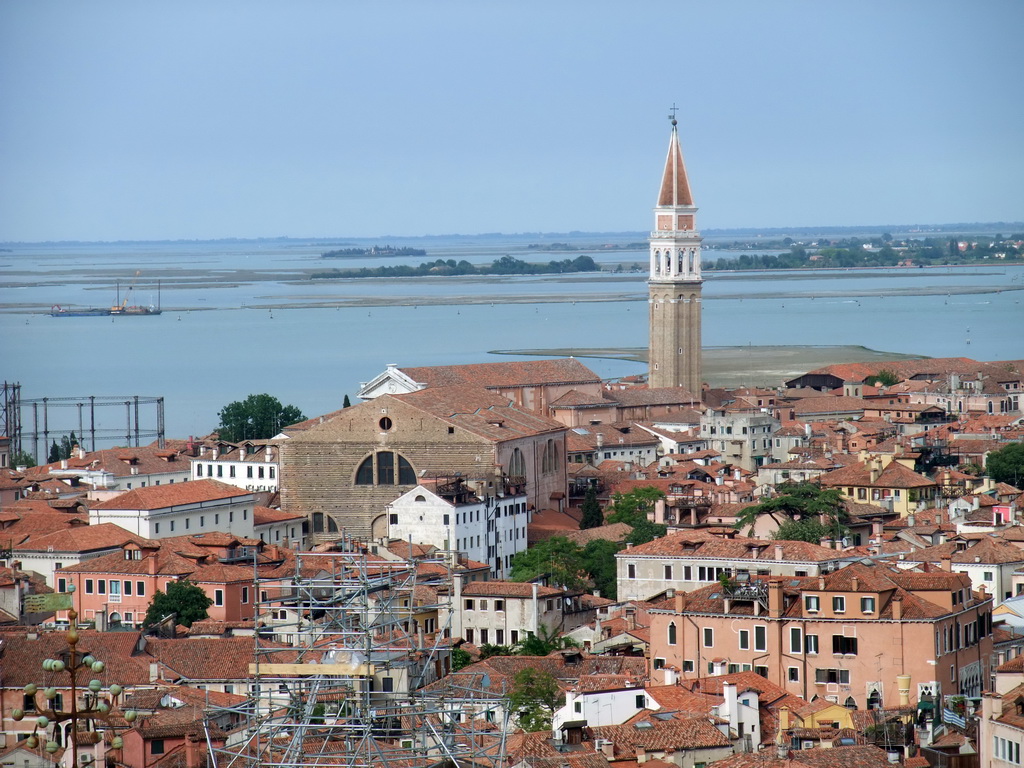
(778,552)
(730,705)
(680,601)
(154,671)
(608,748)
(192,756)
(903,686)
(855,583)
(630,617)
(897,608)
(152,566)
(670,676)
(775,601)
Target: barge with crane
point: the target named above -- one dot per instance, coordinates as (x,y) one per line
(119,308)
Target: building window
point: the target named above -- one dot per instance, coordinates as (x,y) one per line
(812,603)
(499,605)
(101,586)
(709,637)
(381,465)
(62,585)
(245,595)
(672,633)
(810,643)
(218,597)
(248,472)
(631,571)
(841,676)
(687,665)
(744,639)
(844,645)
(839,604)
(760,638)
(867,605)
(795,640)
(127,587)
(794,675)
(156,746)
(668,572)
(641,701)
(469,605)
(88,586)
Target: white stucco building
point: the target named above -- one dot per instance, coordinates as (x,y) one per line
(252,465)
(160,511)
(460,516)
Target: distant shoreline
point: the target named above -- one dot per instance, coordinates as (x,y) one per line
(751,366)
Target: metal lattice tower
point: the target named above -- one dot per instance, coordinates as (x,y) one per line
(347,690)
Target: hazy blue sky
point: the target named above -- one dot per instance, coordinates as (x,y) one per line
(129,120)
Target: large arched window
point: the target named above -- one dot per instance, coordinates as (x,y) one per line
(385,468)
(672,633)
(516,464)
(549,458)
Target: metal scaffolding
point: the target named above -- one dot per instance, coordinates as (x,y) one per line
(363,679)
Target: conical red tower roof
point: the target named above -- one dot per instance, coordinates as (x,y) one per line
(675,188)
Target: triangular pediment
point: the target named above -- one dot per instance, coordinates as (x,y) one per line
(391,382)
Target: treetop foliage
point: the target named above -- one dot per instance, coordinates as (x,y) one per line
(258,417)
(183,598)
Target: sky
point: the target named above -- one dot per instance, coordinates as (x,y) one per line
(214,119)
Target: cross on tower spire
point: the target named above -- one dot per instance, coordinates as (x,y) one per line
(673,110)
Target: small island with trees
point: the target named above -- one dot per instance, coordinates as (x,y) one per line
(373,250)
(506,265)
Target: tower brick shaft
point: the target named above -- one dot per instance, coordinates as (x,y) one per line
(675,281)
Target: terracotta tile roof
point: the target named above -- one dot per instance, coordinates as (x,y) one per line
(687,546)
(893,475)
(509,374)
(162,496)
(268,516)
(22,655)
(652,396)
(203,658)
(478,411)
(576,399)
(123,462)
(514,589)
(616,532)
(867,756)
(79,538)
(653,734)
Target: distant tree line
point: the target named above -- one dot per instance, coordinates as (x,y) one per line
(851,253)
(506,265)
(374,250)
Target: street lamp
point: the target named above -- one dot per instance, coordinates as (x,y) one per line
(97,704)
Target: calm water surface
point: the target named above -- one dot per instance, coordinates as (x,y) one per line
(241,318)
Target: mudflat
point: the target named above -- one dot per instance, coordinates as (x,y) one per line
(767,366)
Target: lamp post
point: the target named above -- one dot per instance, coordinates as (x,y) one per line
(98,704)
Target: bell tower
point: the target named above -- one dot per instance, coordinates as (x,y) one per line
(675,283)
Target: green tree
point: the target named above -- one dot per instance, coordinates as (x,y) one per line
(258,417)
(599,562)
(542,642)
(67,445)
(1007,464)
(800,501)
(183,598)
(632,507)
(54,455)
(886,378)
(592,516)
(644,531)
(557,557)
(22,459)
(488,649)
(803,530)
(534,697)
(460,659)
(346,403)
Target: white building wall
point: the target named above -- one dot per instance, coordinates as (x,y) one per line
(234,516)
(491,531)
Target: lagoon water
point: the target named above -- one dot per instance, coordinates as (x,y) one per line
(244,317)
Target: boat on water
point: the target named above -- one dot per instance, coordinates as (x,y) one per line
(120,308)
(58,311)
